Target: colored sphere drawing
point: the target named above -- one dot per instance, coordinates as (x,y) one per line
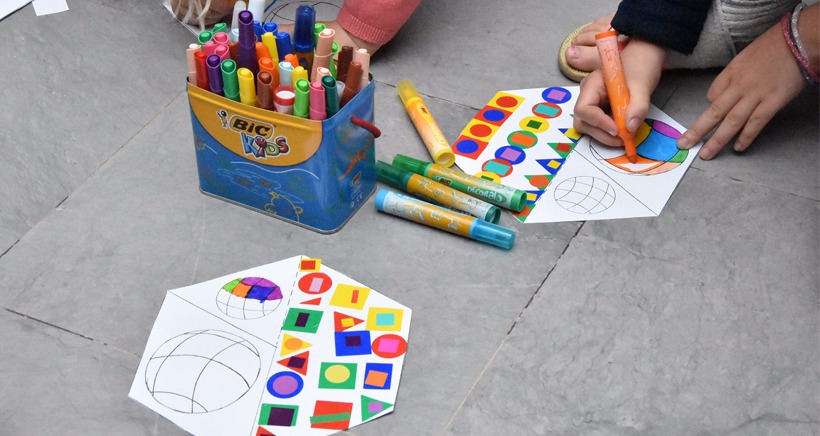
(585,195)
(248,298)
(202,371)
(655,144)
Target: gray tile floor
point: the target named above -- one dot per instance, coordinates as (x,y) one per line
(701,321)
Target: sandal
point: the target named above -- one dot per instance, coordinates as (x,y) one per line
(571,73)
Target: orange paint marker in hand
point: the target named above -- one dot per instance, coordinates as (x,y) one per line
(616,89)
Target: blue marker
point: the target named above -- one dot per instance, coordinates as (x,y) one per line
(283,45)
(269,26)
(303,35)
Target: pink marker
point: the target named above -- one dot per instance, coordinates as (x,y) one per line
(317,102)
(209,48)
(223,52)
(221,38)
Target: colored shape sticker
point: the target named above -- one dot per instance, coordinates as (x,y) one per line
(378,375)
(372,407)
(522,139)
(384,319)
(279,415)
(498,166)
(534,124)
(493,115)
(350,296)
(546,110)
(389,346)
(337,376)
(556,95)
(513,155)
(468,147)
(507,101)
(539,181)
(310,265)
(480,130)
(331,415)
(315,283)
(302,320)
(285,384)
(486,175)
(352,343)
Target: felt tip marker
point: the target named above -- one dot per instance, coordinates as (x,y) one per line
(431,215)
(283,45)
(345,56)
(192,49)
(267,65)
(220,27)
(270,27)
(435,192)
(317,29)
(333,52)
(209,47)
(230,81)
(269,39)
(616,89)
(331,96)
(363,57)
(205,36)
(303,36)
(201,70)
(489,191)
(264,90)
(354,74)
(223,52)
(285,74)
(324,49)
(247,87)
(283,98)
(299,73)
(301,105)
(246,58)
(318,109)
(214,74)
(221,38)
(261,51)
(430,133)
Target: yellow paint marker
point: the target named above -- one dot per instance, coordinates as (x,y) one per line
(429,131)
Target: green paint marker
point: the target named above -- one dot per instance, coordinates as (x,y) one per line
(436,192)
(230,81)
(495,193)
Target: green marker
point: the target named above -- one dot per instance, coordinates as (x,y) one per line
(317,29)
(436,192)
(331,96)
(230,81)
(492,192)
(333,51)
(301,107)
(220,27)
(205,36)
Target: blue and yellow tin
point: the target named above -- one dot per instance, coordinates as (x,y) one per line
(316,174)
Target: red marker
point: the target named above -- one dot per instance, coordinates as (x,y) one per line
(201,71)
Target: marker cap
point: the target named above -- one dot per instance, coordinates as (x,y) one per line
(301,106)
(270,26)
(392,176)
(407,92)
(220,27)
(492,234)
(303,28)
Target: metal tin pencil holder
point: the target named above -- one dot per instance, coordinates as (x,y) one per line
(315,174)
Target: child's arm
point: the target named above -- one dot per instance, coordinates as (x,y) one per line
(202,12)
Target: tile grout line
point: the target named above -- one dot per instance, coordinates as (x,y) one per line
(503,341)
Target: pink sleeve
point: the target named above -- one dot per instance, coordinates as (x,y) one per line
(375,21)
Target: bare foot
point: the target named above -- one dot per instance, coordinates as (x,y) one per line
(582,54)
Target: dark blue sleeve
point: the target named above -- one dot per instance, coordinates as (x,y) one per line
(674,24)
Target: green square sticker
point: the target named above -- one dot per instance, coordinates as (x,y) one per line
(302,320)
(337,376)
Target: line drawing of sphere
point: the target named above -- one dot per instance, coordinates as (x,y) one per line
(202,371)
(656,147)
(584,195)
(248,298)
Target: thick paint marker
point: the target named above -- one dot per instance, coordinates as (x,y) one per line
(435,192)
(345,56)
(246,57)
(491,192)
(431,215)
(303,36)
(430,133)
(616,89)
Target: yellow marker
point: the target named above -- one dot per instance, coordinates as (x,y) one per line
(269,39)
(247,87)
(429,131)
(299,73)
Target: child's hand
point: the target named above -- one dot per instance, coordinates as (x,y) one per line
(744,97)
(643,63)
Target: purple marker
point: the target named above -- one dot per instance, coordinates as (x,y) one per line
(246,57)
(214,74)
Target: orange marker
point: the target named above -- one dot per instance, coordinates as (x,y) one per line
(615,80)
(262,51)
(352,82)
(292,59)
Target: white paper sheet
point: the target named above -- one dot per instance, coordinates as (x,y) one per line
(524,139)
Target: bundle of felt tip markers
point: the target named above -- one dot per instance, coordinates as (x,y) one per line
(255,64)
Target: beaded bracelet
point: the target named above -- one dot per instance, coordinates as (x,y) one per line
(789,33)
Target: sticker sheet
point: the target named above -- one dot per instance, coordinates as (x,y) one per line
(289,348)
(524,139)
